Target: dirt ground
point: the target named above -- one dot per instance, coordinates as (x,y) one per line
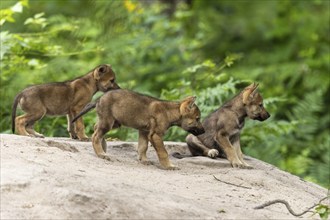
(60,178)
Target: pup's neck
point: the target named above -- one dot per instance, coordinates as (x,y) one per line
(236,105)
(89,80)
(172,113)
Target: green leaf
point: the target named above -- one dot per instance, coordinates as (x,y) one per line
(39,15)
(18,7)
(28,21)
(323,211)
(5,43)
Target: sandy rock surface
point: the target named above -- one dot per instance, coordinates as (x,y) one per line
(60,178)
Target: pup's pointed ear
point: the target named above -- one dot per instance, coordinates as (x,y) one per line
(187,104)
(254,89)
(100,70)
(249,91)
(251,86)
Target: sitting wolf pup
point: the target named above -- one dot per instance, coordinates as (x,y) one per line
(151,116)
(61,98)
(223,127)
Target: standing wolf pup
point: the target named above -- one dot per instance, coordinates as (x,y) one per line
(61,98)
(151,116)
(223,127)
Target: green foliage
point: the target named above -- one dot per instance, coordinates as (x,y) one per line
(323,211)
(211,49)
(7,15)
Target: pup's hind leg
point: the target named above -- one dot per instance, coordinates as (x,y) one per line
(20,123)
(143,147)
(25,124)
(32,132)
(197,148)
(35,111)
(103,143)
(99,143)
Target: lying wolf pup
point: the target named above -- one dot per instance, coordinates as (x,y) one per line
(62,98)
(152,117)
(223,127)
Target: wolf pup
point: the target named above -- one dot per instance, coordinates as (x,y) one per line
(223,127)
(151,116)
(61,98)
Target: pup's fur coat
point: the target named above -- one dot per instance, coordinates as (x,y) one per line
(151,116)
(223,127)
(61,98)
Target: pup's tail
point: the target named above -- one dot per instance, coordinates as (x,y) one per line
(86,109)
(13,111)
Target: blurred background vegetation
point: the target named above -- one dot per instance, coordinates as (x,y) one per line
(175,48)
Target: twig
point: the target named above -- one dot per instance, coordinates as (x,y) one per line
(288,206)
(245,187)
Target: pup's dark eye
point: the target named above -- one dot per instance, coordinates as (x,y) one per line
(198,118)
(261,105)
(112,81)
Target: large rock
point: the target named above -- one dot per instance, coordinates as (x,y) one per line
(60,178)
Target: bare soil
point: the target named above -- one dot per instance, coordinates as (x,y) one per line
(60,178)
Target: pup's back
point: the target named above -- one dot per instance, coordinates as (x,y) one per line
(54,97)
(129,108)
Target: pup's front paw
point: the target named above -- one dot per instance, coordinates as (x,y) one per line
(86,139)
(146,162)
(33,133)
(239,164)
(73,136)
(37,135)
(104,156)
(247,166)
(171,167)
(213,153)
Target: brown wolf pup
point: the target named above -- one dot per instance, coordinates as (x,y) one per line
(61,98)
(151,116)
(223,127)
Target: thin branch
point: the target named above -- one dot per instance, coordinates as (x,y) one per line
(288,206)
(245,187)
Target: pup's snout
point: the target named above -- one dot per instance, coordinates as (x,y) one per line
(113,87)
(197,131)
(201,131)
(264,116)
